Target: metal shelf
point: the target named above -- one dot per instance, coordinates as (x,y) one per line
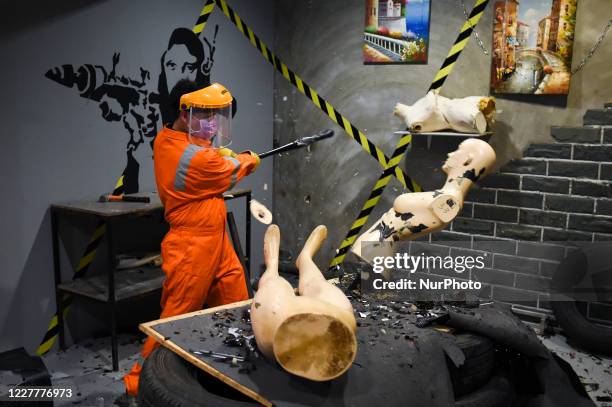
(128,284)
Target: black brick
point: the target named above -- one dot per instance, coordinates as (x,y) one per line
(485,292)
(516,264)
(555,235)
(451,239)
(518,232)
(568,204)
(514,296)
(495,245)
(599,189)
(540,251)
(533,283)
(576,134)
(606,172)
(548,268)
(473,226)
(543,218)
(487,258)
(593,153)
(546,184)
(520,199)
(466,210)
(603,237)
(597,117)
(493,277)
(481,195)
(526,166)
(600,311)
(604,207)
(506,181)
(492,212)
(549,151)
(590,223)
(573,169)
(607,136)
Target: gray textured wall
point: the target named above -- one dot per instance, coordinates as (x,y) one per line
(321,41)
(56,145)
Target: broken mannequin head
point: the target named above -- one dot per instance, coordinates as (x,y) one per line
(473,159)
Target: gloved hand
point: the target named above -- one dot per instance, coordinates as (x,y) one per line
(226,152)
(253,154)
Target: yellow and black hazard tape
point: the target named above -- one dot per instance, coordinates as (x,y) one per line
(372,201)
(311,94)
(203,18)
(460,43)
(400,149)
(85,261)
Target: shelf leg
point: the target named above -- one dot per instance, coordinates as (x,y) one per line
(59,301)
(111,294)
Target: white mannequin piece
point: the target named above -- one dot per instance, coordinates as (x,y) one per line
(434,113)
(311,335)
(417,214)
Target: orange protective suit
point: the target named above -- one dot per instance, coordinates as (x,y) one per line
(200,263)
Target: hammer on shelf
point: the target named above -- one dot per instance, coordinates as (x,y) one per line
(123,198)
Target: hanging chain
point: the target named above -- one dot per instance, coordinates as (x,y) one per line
(474,32)
(589,54)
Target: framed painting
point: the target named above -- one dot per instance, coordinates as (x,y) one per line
(532,46)
(396,31)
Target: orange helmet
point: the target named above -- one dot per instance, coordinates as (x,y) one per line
(213,96)
(210,115)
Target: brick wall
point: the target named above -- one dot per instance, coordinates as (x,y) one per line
(557,193)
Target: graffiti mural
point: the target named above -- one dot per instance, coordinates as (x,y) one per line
(140,107)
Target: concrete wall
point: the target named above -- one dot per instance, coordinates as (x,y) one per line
(321,42)
(57,147)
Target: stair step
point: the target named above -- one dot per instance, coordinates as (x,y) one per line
(598,117)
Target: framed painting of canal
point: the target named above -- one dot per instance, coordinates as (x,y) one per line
(532,46)
(396,31)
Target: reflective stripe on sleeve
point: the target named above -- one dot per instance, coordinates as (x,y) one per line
(181,171)
(235,172)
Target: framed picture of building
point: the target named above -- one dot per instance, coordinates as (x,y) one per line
(396,31)
(532,46)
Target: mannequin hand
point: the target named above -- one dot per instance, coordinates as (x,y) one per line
(226,152)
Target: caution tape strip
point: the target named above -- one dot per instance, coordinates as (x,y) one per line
(90,251)
(460,43)
(319,101)
(203,18)
(400,149)
(372,201)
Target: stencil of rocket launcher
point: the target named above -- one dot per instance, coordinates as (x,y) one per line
(95,83)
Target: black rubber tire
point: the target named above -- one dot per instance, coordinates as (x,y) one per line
(167,380)
(498,392)
(575,325)
(479,363)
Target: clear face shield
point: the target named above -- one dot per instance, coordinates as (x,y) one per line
(210,127)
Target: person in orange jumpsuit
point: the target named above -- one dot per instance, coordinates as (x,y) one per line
(192,171)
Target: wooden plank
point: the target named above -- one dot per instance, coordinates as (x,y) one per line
(148,329)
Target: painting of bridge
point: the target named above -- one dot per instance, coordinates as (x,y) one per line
(532,46)
(396,31)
